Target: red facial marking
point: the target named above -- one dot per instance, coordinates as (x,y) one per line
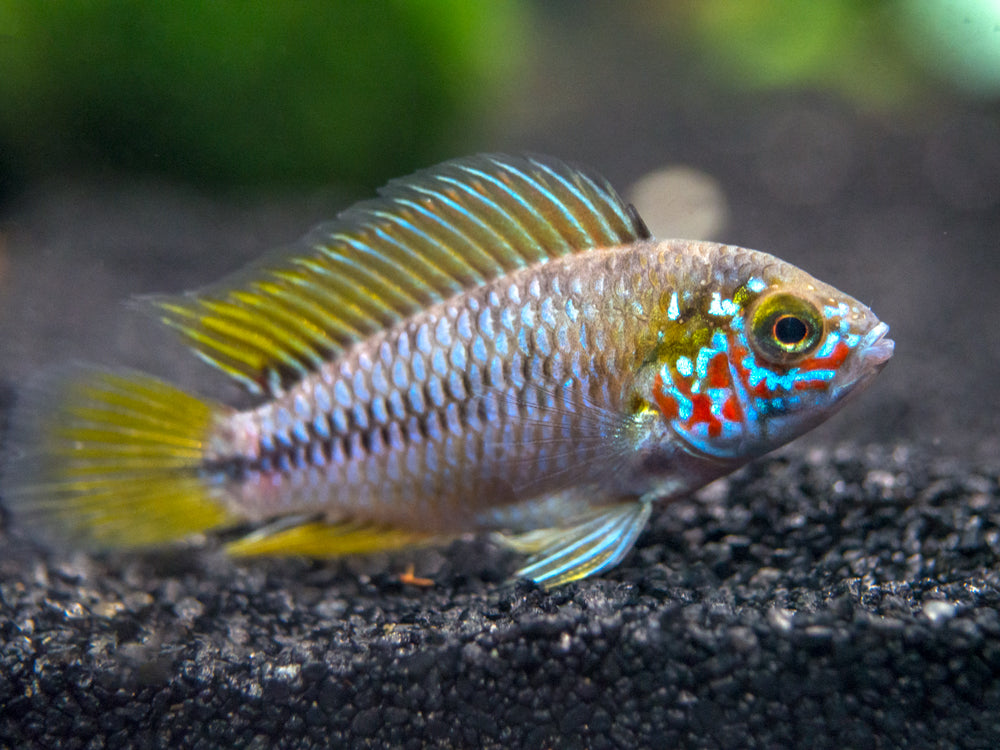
(831,362)
(718,372)
(665,403)
(731,410)
(702,412)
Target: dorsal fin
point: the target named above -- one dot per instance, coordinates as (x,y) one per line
(427,237)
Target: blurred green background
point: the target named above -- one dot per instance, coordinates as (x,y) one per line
(347,92)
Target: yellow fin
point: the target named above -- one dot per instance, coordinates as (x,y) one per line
(428,237)
(112,460)
(322,539)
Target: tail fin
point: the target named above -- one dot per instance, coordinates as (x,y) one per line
(112,460)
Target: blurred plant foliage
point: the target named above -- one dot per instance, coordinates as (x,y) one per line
(224,92)
(877,53)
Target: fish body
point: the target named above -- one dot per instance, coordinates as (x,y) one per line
(495,344)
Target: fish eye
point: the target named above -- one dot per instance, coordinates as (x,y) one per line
(785,328)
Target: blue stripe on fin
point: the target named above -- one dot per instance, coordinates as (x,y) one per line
(562,555)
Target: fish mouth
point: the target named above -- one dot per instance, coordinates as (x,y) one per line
(875,348)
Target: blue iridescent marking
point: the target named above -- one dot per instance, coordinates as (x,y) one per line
(442,332)
(379,381)
(456,387)
(547,312)
(452,420)
(542,347)
(433,426)
(418,368)
(496,372)
(832,339)
(396,406)
(266,439)
(359,415)
(719,306)
(500,345)
(283,426)
(415,395)
(321,426)
(571,311)
(514,294)
(360,387)
(684,366)
(316,456)
(673,310)
(423,339)
(339,420)
(479,350)
(439,364)
(507,318)
(342,394)
(379,412)
(322,398)
(463,325)
(458,356)
(403,346)
(435,392)
(301,431)
(756,284)
(486,323)
(400,377)
(841,310)
(562,338)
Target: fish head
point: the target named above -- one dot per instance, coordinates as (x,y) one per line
(752,351)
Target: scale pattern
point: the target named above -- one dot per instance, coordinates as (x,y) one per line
(502,394)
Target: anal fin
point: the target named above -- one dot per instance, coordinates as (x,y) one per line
(560,555)
(324,539)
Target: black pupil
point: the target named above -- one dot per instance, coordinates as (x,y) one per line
(790,330)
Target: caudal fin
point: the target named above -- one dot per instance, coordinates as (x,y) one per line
(110,460)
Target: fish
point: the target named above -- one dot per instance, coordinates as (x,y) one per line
(496,344)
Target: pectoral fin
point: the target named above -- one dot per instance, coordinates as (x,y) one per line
(561,555)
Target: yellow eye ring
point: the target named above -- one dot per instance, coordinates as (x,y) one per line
(785,328)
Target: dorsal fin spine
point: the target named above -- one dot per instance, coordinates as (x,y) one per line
(300,327)
(544,198)
(419,296)
(379,288)
(454,237)
(591,210)
(305,301)
(435,253)
(466,215)
(239,324)
(518,202)
(506,218)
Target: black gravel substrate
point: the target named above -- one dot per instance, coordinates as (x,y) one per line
(820,598)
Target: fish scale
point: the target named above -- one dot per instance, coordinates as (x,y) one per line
(493,344)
